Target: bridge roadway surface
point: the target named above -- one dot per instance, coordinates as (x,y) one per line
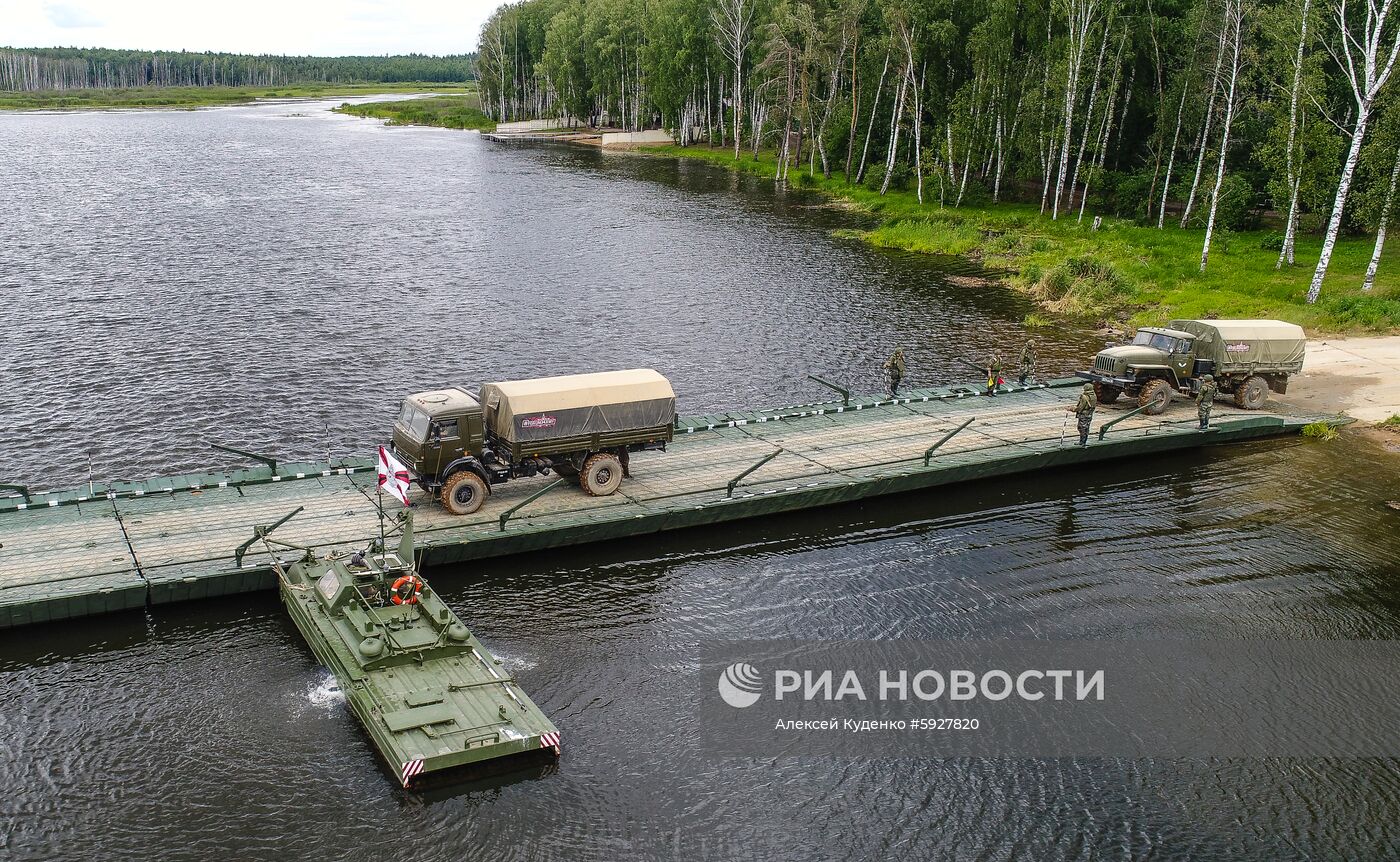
(123,545)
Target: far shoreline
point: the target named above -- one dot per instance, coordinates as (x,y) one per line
(188,98)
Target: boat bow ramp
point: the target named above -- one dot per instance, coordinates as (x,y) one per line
(113,546)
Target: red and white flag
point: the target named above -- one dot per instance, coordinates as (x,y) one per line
(394,477)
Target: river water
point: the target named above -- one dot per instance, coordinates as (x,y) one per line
(276,276)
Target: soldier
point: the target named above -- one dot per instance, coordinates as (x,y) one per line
(894,370)
(1205,399)
(993,373)
(1084,410)
(1028,361)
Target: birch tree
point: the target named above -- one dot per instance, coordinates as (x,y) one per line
(733,23)
(1205,129)
(1370,280)
(1187,70)
(1366,54)
(1233,25)
(1080,16)
(1292,170)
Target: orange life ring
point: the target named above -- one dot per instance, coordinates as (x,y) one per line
(412,598)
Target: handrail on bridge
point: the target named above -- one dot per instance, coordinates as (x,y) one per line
(261,531)
(845,393)
(505,516)
(761,461)
(1103,429)
(22,489)
(928,453)
(266,459)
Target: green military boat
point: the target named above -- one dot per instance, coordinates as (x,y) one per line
(431,696)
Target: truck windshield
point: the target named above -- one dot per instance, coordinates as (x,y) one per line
(414,421)
(1164,343)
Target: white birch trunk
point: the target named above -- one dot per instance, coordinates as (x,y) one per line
(1370,281)
(1329,238)
(874,107)
(1205,130)
(1292,175)
(1171,159)
(1081,14)
(1088,114)
(1234,20)
(894,129)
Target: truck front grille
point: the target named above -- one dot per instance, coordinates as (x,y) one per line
(1106,364)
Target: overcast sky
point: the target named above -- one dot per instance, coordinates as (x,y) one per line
(323,27)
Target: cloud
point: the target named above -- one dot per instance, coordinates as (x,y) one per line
(70,17)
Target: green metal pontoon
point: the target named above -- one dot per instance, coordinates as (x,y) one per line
(431,696)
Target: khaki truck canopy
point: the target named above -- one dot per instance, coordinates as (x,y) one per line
(1260,345)
(549,408)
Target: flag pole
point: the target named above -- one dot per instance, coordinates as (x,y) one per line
(379,506)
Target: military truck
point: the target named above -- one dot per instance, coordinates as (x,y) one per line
(458,444)
(1247,358)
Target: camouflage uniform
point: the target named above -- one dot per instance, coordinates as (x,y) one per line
(1084,411)
(1205,399)
(993,373)
(894,370)
(1028,361)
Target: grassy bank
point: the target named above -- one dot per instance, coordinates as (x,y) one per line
(1122,269)
(201,97)
(449,112)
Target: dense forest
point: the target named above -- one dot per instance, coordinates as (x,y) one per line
(34,69)
(1214,114)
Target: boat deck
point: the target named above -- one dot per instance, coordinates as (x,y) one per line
(108,547)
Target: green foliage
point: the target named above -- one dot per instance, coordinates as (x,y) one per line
(1393,423)
(1363,311)
(1320,431)
(1083,286)
(449,112)
(1237,209)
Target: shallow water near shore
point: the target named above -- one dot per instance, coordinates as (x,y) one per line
(274,277)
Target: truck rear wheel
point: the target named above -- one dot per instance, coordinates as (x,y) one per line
(1155,397)
(1252,393)
(601,475)
(464,493)
(1106,394)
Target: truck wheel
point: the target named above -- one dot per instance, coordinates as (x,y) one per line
(1106,394)
(1252,394)
(1155,397)
(601,475)
(464,493)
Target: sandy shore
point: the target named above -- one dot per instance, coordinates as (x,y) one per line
(1356,376)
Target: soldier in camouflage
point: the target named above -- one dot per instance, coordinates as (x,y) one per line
(894,371)
(1205,399)
(1028,361)
(993,373)
(1083,409)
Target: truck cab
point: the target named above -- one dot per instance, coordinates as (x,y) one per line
(1158,362)
(437,432)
